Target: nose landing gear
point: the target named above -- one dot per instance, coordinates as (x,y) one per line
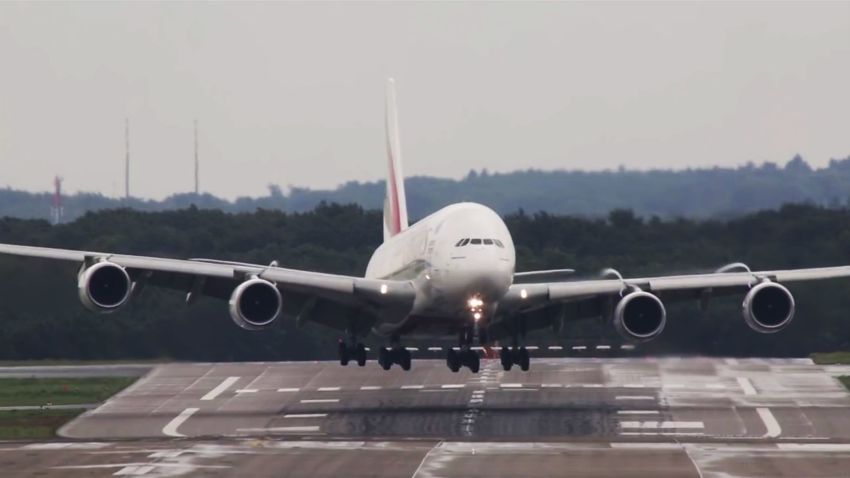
(465,357)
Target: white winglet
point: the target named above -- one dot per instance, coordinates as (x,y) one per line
(395,202)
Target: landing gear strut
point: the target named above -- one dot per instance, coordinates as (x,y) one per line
(516,356)
(395,355)
(356,352)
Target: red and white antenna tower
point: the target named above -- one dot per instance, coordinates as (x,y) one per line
(57,209)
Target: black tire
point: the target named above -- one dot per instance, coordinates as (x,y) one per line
(344,354)
(384,358)
(474,361)
(360,353)
(524,360)
(453,360)
(507,358)
(404,359)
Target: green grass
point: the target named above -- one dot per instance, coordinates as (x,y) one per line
(30,424)
(845,380)
(832,358)
(59,391)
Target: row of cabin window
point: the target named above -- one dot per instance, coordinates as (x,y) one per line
(478,242)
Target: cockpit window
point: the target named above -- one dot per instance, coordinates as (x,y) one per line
(499,243)
(459,243)
(488,242)
(475,242)
(465,242)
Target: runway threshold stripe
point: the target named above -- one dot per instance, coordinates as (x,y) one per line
(770,423)
(171,428)
(747,386)
(218,390)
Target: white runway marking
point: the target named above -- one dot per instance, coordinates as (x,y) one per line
(603,347)
(773,428)
(171,428)
(320,400)
(370,387)
(634,385)
(638,412)
(435,349)
(663,434)
(556,347)
(305,415)
(511,385)
(328,389)
(634,397)
(307,429)
(412,387)
(134,470)
(288,390)
(224,385)
(655,425)
(453,385)
(552,385)
(247,390)
(747,386)
(579,347)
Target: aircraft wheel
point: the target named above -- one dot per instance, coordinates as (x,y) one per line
(404,359)
(344,354)
(473,361)
(360,353)
(524,360)
(506,356)
(384,358)
(453,360)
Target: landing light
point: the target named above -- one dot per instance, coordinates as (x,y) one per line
(476,315)
(523,293)
(383,288)
(475,303)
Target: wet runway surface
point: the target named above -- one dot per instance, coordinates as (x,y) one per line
(689,417)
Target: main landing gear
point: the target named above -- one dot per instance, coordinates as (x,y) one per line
(356,352)
(465,357)
(515,356)
(395,355)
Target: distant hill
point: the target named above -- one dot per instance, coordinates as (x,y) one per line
(698,193)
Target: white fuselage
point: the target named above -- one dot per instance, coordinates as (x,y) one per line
(461,253)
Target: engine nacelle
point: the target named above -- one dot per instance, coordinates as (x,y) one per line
(768,307)
(640,316)
(255,304)
(104,287)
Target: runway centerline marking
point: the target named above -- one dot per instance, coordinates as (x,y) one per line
(453,385)
(329,389)
(170,429)
(656,425)
(747,386)
(634,397)
(305,429)
(370,387)
(638,412)
(288,390)
(247,390)
(412,387)
(511,385)
(773,428)
(320,400)
(305,415)
(218,390)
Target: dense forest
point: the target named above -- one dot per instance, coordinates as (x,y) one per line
(41,315)
(696,193)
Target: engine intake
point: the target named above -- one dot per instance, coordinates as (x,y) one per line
(255,304)
(768,307)
(104,287)
(640,316)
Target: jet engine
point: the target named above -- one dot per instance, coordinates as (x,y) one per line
(104,287)
(255,304)
(768,307)
(640,316)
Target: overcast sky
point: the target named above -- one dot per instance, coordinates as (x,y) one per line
(293,93)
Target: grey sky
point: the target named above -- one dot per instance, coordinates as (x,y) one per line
(293,93)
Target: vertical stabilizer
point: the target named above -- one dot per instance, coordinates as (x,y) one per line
(395,202)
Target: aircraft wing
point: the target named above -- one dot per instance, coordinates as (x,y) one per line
(547,304)
(345,296)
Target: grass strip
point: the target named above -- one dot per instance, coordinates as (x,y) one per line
(30,424)
(831,358)
(59,391)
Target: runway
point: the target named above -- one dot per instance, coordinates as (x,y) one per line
(668,417)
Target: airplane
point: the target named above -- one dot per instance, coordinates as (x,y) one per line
(451,274)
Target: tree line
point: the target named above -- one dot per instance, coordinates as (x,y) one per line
(41,317)
(701,193)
